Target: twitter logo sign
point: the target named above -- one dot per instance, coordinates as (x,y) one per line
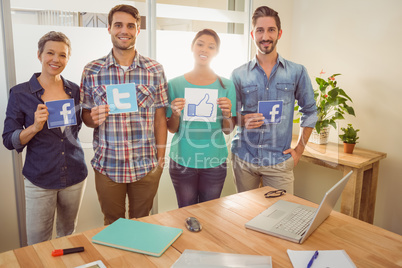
(122,98)
(61,113)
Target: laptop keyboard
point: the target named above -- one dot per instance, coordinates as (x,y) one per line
(297,221)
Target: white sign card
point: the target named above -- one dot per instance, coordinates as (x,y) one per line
(122,98)
(201,104)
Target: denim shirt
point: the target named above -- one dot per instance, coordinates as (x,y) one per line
(288,82)
(54,159)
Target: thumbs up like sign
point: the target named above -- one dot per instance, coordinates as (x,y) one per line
(203,108)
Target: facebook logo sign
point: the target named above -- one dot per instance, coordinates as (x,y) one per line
(122,98)
(272,111)
(61,113)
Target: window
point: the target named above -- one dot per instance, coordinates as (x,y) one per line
(179,21)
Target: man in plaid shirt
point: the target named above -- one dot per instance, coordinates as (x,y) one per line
(129,147)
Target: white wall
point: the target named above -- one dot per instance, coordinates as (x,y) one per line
(362,41)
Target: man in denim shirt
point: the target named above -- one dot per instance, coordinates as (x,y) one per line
(261,147)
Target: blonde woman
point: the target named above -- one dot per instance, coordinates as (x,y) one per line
(54,168)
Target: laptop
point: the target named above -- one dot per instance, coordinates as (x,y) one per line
(295,222)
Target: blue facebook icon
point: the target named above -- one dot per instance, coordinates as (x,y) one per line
(272,111)
(61,113)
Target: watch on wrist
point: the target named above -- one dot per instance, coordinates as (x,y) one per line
(224,117)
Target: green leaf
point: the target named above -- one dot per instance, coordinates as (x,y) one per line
(318,127)
(341,100)
(338,116)
(349,134)
(316,94)
(350,110)
(320,81)
(325,123)
(343,93)
(333,93)
(332,123)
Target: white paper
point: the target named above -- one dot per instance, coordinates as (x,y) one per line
(206,259)
(201,104)
(326,258)
(95,264)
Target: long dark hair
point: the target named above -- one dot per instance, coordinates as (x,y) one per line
(217,41)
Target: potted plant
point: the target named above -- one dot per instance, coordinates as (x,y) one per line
(349,138)
(332,105)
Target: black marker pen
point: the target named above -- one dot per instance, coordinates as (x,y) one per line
(59,252)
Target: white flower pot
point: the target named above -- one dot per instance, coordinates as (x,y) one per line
(321,138)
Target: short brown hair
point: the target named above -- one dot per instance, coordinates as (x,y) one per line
(127,9)
(56,37)
(264,11)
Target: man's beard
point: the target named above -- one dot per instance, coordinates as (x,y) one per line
(267,50)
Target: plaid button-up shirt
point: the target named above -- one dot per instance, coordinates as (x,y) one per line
(124,144)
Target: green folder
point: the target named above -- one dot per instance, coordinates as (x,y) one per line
(137,236)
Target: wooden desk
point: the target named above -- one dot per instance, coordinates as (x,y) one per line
(359,196)
(223,231)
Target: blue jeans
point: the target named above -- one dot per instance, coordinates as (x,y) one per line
(41,205)
(196,185)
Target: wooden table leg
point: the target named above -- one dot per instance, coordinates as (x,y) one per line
(367,206)
(351,197)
